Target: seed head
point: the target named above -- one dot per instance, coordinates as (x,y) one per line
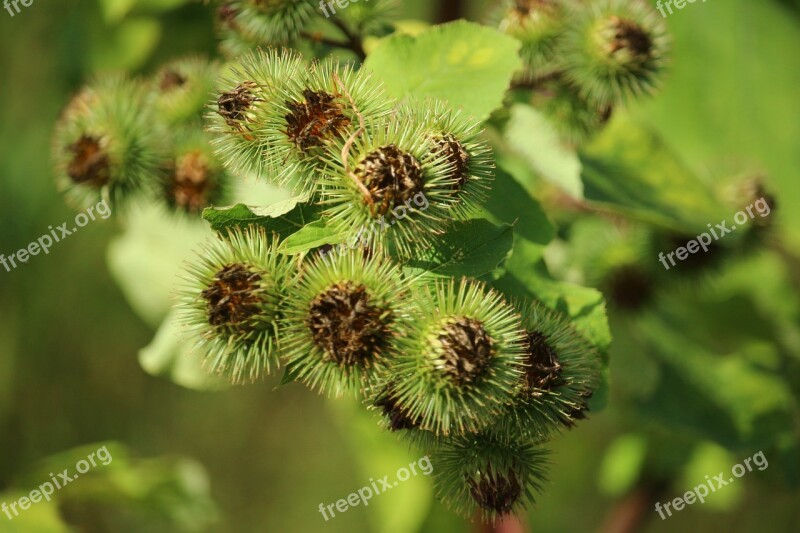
(347,326)
(456,147)
(397,416)
(462,362)
(89,164)
(180,90)
(615,49)
(542,367)
(171,79)
(455,154)
(316,120)
(561,370)
(342,321)
(538,24)
(626,42)
(234,105)
(392,177)
(106,145)
(245,25)
(248,115)
(231,303)
(466,349)
(190,184)
(494,491)
(487,473)
(232,299)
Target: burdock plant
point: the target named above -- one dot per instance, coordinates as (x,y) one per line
(462,361)
(397,266)
(343,320)
(615,49)
(481,473)
(231,303)
(244,24)
(560,374)
(105,146)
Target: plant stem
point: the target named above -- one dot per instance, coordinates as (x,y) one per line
(319,38)
(536,83)
(633,511)
(353,39)
(505,524)
(451,10)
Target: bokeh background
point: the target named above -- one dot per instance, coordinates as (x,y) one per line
(69,374)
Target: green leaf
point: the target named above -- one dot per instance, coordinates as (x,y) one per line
(466,64)
(628,168)
(42,517)
(732,96)
(380,453)
(311,236)
(170,355)
(509,203)
(146,260)
(530,135)
(283,218)
(126,46)
(726,398)
(622,464)
(526,274)
(709,458)
(169,494)
(115,10)
(472,248)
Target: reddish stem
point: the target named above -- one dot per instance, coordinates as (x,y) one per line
(633,511)
(504,524)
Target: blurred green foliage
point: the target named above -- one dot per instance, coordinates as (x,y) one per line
(68,340)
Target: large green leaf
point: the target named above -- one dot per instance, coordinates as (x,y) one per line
(526,275)
(466,64)
(283,218)
(530,135)
(167,494)
(729,104)
(41,517)
(172,355)
(380,453)
(147,259)
(726,398)
(510,203)
(629,168)
(473,248)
